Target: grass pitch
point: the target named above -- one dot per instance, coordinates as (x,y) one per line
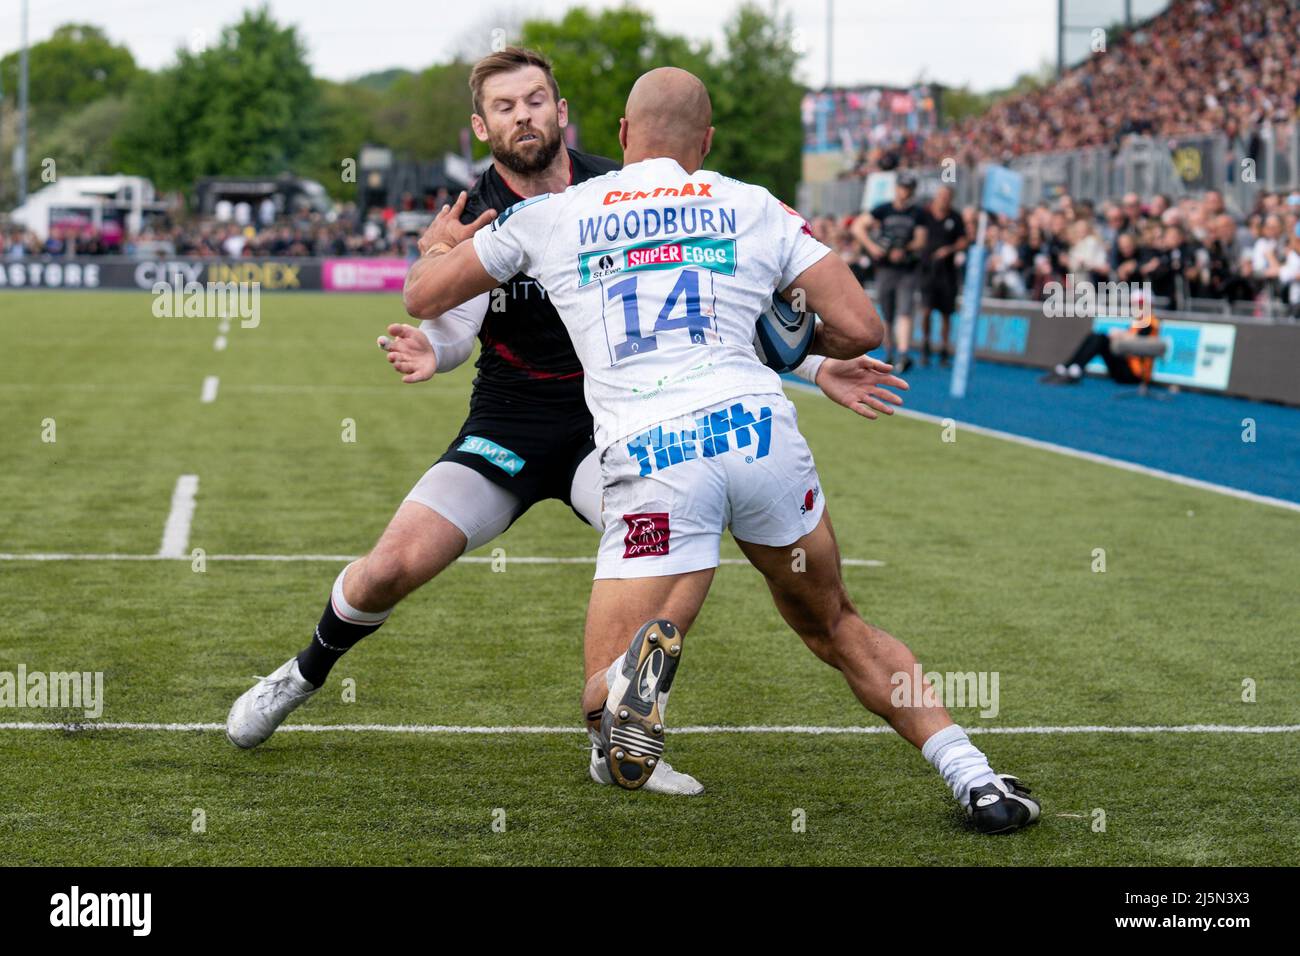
(988,551)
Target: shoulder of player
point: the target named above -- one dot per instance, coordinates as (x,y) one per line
(750,192)
(764,198)
(480,197)
(531,203)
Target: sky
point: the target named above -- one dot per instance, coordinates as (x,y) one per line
(981,43)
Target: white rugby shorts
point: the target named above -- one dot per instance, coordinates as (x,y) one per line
(670,492)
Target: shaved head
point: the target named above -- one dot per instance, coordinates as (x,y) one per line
(668,113)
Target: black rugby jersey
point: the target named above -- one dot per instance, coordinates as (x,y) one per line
(526,352)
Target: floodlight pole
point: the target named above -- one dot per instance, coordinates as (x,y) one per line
(20,152)
(1060,37)
(830,42)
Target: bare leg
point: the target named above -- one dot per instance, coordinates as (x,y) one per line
(417,545)
(815,603)
(619,607)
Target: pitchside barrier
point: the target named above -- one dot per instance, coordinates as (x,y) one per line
(271,274)
(1175,166)
(1234,355)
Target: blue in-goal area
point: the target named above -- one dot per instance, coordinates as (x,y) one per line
(1192,434)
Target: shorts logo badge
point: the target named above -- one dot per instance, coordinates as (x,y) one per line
(810,499)
(499,455)
(647,534)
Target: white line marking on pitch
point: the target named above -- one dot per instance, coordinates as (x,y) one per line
(1092,457)
(219,343)
(89,387)
(209,393)
(705,729)
(176,533)
(1112,462)
(338,558)
(133,387)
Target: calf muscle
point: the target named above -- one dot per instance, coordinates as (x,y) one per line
(811,597)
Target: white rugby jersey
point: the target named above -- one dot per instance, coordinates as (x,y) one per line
(659,276)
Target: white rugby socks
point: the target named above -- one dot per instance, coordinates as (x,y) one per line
(962,765)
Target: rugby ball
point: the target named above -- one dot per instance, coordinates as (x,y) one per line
(782,336)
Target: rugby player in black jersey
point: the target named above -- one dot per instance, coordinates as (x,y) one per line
(528,436)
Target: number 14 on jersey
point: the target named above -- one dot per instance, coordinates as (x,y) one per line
(674,301)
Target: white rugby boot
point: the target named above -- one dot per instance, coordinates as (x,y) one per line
(263,707)
(632,723)
(663,779)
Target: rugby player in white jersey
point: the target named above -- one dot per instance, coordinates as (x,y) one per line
(528,435)
(657,271)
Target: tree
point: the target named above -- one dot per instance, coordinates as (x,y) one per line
(756,103)
(756,98)
(74,67)
(82,144)
(68,74)
(349,118)
(246,106)
(597,58)
(423,113)
(957,103)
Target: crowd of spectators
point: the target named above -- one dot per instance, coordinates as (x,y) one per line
(1191,249)
(1202,66)
(383,232)
(1187,249)
(1226,67)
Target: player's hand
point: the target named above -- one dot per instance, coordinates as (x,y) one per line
(858,385)
(410,353)
(447,227)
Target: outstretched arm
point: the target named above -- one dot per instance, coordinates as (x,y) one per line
(857,383)
(438,345)
(448,271)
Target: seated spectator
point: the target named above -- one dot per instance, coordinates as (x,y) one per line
(1043,256)
(1124,369)
(1220,275)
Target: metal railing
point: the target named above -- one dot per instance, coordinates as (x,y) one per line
(1179,166)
